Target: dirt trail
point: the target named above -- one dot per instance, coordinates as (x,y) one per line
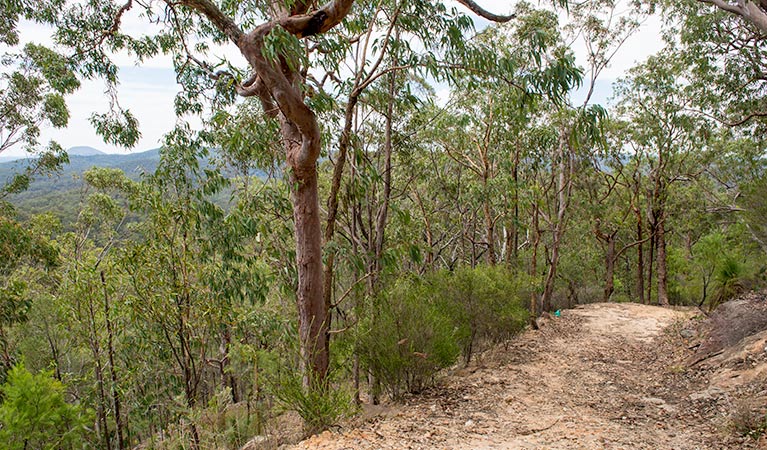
(601,376)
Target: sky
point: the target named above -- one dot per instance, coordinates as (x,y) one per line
(148,90)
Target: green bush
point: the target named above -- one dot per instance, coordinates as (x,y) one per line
(485,303)
(35,415)
(729,281)
(407,338)
(421,325)
(320,406)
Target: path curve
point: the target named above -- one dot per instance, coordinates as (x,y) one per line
(598,377)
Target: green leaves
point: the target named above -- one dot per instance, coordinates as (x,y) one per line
(35,414)
(55,110)
(118,127)
(55,68)
(32,89)
(279,46)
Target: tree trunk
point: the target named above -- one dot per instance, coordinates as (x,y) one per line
(227,378)
(428,233)
(515,197)
(487,174)
(662,270)
(564,189)
(121,444)
(383,212)
(99,372)
(312,311)
(548,289)
(489,233)
(610,258)
(330,223)
(640,259)
(534,266)
(650,262)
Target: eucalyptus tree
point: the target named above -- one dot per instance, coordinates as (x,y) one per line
(34,81)
(616,204)
(194,265)
(26,259)
(280,42)
(579,126)
(484,138)
(662,126)
(393,48)
(726,65)
(84,294)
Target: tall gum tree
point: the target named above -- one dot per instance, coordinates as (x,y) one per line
(604,29)
(662,127)
(278,65)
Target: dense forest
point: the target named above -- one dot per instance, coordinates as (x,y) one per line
(380,190)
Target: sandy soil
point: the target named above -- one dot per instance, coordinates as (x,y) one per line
(603,376)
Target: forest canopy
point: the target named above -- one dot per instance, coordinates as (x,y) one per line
(378,190)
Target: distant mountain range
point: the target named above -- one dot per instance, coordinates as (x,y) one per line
(84,151)
(82,159)
(61,194)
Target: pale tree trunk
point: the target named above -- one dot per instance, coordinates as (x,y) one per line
(751,11)
(662,269)
(564,190)
(489,233)
(487,174)
(515,177)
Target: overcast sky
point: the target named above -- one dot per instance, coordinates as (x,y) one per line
(148,91)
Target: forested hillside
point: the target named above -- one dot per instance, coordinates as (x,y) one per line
(61,193)
(379,193)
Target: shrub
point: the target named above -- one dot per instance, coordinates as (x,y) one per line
(320,406)
(729,279)
(485,303)
(407,338)
(421,325)
(34,413)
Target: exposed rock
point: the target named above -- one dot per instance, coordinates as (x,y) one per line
(259,443)
(688,333)
(730,323)
(708,394)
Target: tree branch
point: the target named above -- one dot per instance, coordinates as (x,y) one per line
(478,10)
(216,16)
(746,9)
(319,21)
